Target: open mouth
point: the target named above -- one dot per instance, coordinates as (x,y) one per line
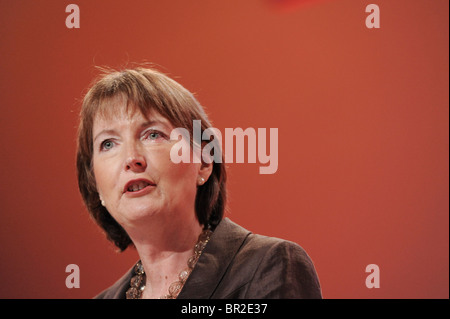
(137,185)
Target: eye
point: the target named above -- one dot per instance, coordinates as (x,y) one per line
(154,135)
(106,145)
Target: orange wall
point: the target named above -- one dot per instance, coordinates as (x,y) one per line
(362,117)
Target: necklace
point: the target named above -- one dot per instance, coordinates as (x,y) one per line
(137,283)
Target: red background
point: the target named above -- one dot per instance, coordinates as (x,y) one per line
(362,117)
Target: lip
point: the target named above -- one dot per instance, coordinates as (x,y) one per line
(140,192)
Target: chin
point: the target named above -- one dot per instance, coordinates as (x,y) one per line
(138,213)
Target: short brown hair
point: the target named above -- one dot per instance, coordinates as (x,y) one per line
(147,90)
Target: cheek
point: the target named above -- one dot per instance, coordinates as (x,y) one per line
(182,176)
(102,177)
(178,174)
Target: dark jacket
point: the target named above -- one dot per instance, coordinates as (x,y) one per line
(237,264)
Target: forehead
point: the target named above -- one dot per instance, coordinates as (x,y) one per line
(119,110)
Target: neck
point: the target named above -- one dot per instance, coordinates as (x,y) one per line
(164,249)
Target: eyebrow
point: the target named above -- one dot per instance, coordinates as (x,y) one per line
(142,126)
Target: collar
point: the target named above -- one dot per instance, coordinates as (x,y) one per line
(215,259)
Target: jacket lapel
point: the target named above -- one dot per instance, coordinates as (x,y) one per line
(212,265)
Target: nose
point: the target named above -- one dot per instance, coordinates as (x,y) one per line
(135,161)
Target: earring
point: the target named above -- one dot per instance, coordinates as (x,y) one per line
(202,181)
(102,201)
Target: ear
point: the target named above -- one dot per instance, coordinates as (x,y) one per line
(204,172)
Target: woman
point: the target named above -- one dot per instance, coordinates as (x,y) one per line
(172,213)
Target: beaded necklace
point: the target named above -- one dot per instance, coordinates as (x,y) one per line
(137,283)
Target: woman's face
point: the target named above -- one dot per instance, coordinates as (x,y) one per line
(134,174)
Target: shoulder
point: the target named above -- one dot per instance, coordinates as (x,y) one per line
(269,267)
(284,270)
(263,248)
(279,251)
(272,245)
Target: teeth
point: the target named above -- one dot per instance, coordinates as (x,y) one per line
(138,186)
